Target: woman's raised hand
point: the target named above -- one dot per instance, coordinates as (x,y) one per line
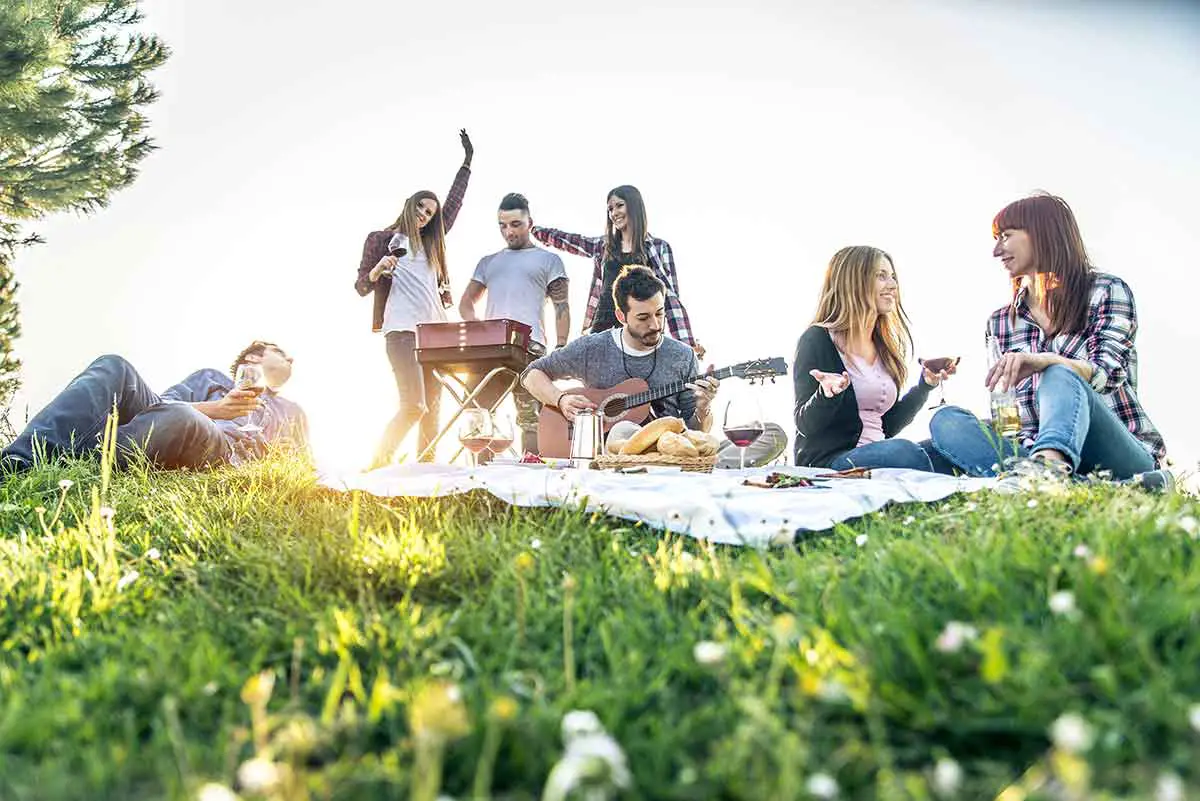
(831,383)
(468,148)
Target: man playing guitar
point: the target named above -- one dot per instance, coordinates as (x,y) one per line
(637,349)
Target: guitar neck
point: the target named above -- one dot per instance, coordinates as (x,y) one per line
(674,388)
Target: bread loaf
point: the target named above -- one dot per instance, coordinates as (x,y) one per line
(623,430)
(706,444)
(646,439)
(673,444)
(613,446)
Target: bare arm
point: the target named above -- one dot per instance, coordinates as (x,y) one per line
(566,401)
(562,310)
(471,296)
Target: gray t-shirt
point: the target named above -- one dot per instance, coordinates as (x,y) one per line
(601,360)
(516,282)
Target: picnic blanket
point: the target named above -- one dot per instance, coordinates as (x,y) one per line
(715,506)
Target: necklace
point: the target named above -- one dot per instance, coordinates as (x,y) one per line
(625,362)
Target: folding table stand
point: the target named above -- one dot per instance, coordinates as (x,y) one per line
(506,362)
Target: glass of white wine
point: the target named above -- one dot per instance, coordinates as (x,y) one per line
(251,377)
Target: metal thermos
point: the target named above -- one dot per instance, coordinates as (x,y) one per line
(586,439)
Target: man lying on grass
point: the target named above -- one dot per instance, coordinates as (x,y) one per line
(204,420)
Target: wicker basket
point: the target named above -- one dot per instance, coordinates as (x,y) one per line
(689,464)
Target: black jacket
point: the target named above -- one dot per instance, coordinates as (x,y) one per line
(827,427)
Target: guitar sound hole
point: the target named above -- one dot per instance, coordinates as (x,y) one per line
(614,408)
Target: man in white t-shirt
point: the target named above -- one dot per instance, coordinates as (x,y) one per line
(517,282)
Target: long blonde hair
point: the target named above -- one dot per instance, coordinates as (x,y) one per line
(847,306)
(432,238)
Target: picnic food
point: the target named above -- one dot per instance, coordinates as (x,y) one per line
(647,437)
(614,444)
(706,444)
(623,430)
(673,444)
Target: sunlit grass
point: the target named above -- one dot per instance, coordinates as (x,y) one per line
(248,630)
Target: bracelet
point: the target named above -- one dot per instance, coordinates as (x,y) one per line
(558,400)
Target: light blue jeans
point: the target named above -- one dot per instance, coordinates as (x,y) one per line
(1073,420)
(888,453)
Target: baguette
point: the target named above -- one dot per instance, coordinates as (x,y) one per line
(705,443)
(673,444)
(646,439)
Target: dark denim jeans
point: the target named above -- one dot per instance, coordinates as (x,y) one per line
(1073,420)
(887,453)
(170,434)
(420,397)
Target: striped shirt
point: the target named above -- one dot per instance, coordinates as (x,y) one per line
(662,262)
(1107,344)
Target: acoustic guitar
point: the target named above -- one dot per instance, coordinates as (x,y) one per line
(631,399)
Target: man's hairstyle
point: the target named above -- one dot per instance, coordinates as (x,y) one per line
(515,201)
(637,282)
(255,348)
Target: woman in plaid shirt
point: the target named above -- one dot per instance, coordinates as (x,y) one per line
(1067,340)
(625,241)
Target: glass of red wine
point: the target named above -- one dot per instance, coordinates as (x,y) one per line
(743,424)
(936,366)
(475,428)
(502,435)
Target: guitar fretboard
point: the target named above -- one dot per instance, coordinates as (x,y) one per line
(667,390)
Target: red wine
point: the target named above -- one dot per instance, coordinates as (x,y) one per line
(938,364)
(743,436)
(499,445)
(475,444)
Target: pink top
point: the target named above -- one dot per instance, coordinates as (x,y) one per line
(875,391)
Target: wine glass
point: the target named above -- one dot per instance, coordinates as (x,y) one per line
(743,424)
(936,366)
(250,376)
(502,434)
(475,431)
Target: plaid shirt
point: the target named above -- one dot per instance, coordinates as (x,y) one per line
(375,248)
(1107,344)
(662,261)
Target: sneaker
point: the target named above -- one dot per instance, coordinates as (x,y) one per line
(11,465)
(1153,481)
(1034,471)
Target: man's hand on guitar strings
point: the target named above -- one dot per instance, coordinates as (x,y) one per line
(571,403)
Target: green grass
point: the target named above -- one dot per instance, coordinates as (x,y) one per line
(359,606)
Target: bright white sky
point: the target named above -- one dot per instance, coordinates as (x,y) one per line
(763,135)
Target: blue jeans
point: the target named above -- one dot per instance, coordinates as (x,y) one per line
(1073,420)
(170,434)
(420,397)
(887,453)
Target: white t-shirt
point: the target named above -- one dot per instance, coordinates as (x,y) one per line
(414,295)
(516,282)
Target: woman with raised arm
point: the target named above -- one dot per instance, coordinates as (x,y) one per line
(1066,340)
(626,241)
(404,265)
(850,367)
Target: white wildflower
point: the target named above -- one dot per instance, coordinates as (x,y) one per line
(1082,551)
(970,506)
(821,785)
(1189,524)
(210,688)
(907,520)
(127,579)
(580,723)
(258,775)
(947,777)
(593,760)
(1071,733)
(861,540)
(153,554)
(216,792)
(1032,503)
(1062,602)
(65,484)
(1194,717)
(535,543)
(709,653)
(1169,787)
(107,513)
(954,636)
